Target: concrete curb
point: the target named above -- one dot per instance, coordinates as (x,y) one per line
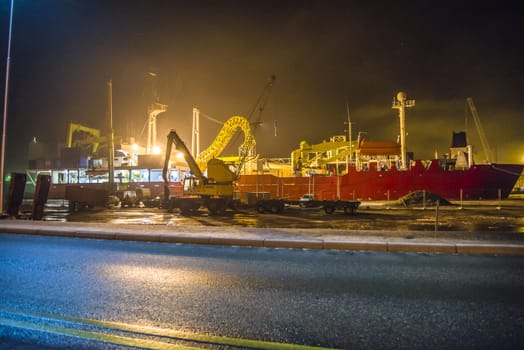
(356,245)
(498,249)
(449,248)
(299,243)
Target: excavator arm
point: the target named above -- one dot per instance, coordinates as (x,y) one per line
(173,138)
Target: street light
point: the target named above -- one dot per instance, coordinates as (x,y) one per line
(2,161)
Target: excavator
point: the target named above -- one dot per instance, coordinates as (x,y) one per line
(214,191)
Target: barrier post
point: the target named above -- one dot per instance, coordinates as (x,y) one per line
(43,182)
(15,194)
(436,215)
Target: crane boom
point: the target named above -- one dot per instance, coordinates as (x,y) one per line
(224,137)
(261,102)
(480,130)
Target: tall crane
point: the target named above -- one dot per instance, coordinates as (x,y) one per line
(480,129)
(259,106)
(261,102)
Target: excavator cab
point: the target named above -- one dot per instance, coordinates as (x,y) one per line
(190,184)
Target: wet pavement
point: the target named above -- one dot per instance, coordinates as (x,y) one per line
(494,216)
(475,220)
(487,227)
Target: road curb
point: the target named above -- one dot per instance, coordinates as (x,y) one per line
(299,243)
(165,238)
(241,242)
(354,245)
(139,237)
(93,234)
(449,248)
(496,249)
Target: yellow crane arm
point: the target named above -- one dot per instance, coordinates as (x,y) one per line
(74,127)
(224,137)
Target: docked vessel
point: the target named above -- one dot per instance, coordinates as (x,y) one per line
(485,181)
(340,168)
(365,170)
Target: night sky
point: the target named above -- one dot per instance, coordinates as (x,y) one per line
(218,56)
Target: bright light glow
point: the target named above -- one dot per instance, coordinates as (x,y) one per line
(156,150)
(134,147)
(138,276)
(180,155)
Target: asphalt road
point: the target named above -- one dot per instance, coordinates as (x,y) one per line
(334,299)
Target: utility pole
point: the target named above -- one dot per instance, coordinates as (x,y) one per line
(2,162)
(111,136)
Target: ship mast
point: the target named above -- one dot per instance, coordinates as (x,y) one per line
(195,139)
(401,103)
(152,112)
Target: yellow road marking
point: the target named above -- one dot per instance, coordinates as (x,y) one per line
(161,332)
(89,335)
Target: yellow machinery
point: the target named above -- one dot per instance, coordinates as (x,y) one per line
(93,136)
(214,191)
(317,156)
(247,149)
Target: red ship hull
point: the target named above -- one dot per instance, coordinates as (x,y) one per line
(478,182)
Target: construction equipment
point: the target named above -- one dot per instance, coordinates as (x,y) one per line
(261,102)
(214,191)
(91,137)
(319,155)
(247,149)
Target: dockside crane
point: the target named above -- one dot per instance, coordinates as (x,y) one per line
(480,130)
(262,100)
(91,136)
